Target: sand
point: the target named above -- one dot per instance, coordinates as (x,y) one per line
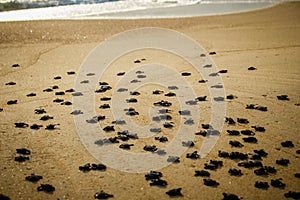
(267,39)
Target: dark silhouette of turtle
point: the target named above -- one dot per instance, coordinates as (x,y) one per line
(231,96)
(46,188)
(193,155)
(170,94)
(173,159)
(242,120)
(11,102)
(109,128)
(103,88)
(261,171)
(229,120)
(202,173)
(151,148)
(172,87)
(95,119)
(104,106)
(238,155)
(186,74)
(158,182)
(168,124)
(235,143)
(250,139)
(161,138)
(122,90)
(205,126)
(210,182)
(137,61)
(77,94)
(223,71)
(36,126)
(259,128)
(40,111)
(141,76)
(120,73)
(67,103)
(261,185)
(247,132)
(201,98)
(283,97)
(287,143)
(282,161)
(85,167)
(155,130)
(70,90)
(223,154)
(202,133)
(160,152)
(33,178)
(202,81)
(131,112)
(174,192)
(48,90)
(15,65)
(76,112)
(251,68)
(235,172)
(21,158)
(277,183)
(250,163)
(261,152)
(102,195)
(184,112)
(188,143)
(191,102)
(21,125)
(105,99)
(134,81)
(51,126)
(212,53)
(153,175)
(126,146)
(131,100)
(32,94)
(90,74)
(10,83)
(84,81)
(233,132)
(119,122)
(103,83)
(230,197)
(270,169)
(46,117)
(157,92)
(71,73)
(23,151)
(57,77)
(135,93)
(60,93)
(110,140)
(57,100)
(256,156)
(55,87)
(292,194)
(100,167)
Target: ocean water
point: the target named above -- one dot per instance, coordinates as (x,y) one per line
(133,9)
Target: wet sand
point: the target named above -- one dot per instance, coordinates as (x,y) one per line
(267,39)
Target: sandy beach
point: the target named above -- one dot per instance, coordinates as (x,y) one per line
(267,39)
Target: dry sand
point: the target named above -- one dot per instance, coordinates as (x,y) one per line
(267,39)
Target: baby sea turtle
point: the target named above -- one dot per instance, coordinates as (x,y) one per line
(238,155)
(250,139)
(205,126)
(213,164)
(105,99)
(121,74)
(141,76)
(270,169)
(172,87)
(57,77)
(223,154)
(134,81)
(255,156)
(84,81)
(137,61)
(184,112)
(259,128)
(202,173)
(170,94)
(251,68)
(134,93)
(67,103)
(282,161)
(110,140)
(229,120)
(126,146)
(11,102)
(103,88)
(23,151)
(247,132)
(210,182)
(185,74)
(131,100)
(161,138)
(77,94)
(90,74)
(102,195)
(95,119)
(60,93)
(33,178)
(188,143)
(233,132)
(46,117)
(109,128)
(104,106)
(191,102)
(212,53)
(189,121)
(160,152)
(103,83)
(193,155)
(151,148)
(235,143)
(58,100)
(277,183)
(40,111)
(46,188)
(71,73)
(231,96)
(21,158)
(201,98)
(283,97)
(261,171)
(174,192)
(235,172)
(21,125)
(292,194)
(153,175)
(55,87)
(261,185)
(36,126)
(173,159)
(122,90)
(119,122)
(168,124)
(15,65)
(202,81)
(131,112)
(100,167)
(32,94)
(76,112)
(202,133)
(242,120)
(230,197)
(287,143)
(250,163)
(51,126)
(155,130)
(261,152)
(47,90)
(223,71)
(70,90)
(158,182)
